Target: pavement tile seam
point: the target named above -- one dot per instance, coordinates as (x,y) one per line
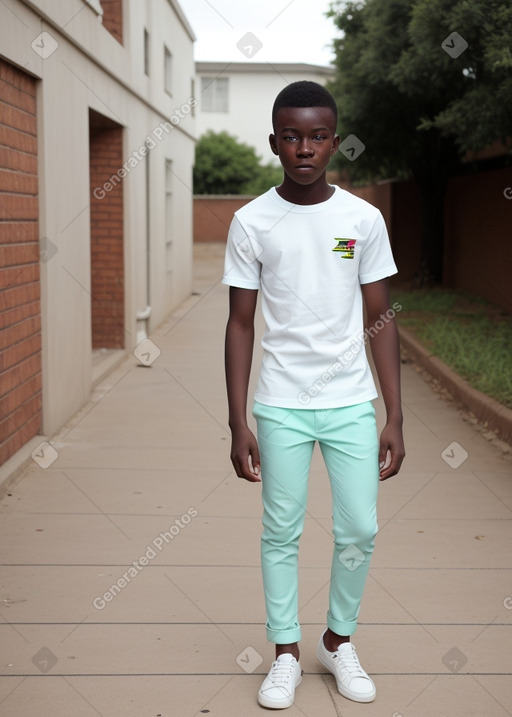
(230,567)
(313,519)
(185,673)
(148,623)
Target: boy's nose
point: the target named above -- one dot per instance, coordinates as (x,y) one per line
(304,149)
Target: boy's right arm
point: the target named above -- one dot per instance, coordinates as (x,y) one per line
(238,359)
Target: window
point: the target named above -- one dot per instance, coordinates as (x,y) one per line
(167,70)
(214,94)
(146,52)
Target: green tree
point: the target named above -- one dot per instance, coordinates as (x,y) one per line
(226,166)
(418,96)
(266,176)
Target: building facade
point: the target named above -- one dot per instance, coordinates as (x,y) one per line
(237,97)
(97,136)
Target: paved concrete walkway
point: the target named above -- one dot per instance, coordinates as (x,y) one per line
(130,565)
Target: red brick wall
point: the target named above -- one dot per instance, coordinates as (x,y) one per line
(113,18)
(20,310)
(213,215)
(107,261)
(478,216)
(478,246)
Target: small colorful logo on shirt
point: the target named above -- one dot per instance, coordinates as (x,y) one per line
(346,247)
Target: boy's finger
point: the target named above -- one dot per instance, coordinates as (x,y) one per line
(393,467)
(256,459)
(245,469)
(252,475)
(254,468)
(382,454)
(385,458)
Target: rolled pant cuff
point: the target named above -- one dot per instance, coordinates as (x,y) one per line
(284,637)
(345,629)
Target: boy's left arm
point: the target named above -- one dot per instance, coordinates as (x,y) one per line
(386,356)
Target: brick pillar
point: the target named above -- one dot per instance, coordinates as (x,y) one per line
(113,18)
(20,309)
(107,260)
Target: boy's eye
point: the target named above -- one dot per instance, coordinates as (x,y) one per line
(290,138)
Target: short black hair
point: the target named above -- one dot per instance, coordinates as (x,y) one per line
(304,93)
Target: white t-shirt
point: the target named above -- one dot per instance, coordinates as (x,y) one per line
(309,262)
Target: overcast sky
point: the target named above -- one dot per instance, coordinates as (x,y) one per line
(265,30)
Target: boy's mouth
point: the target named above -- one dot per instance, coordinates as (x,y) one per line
(304,166)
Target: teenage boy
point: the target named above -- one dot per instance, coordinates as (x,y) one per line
(316,252)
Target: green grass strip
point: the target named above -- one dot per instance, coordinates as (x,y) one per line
(472,336)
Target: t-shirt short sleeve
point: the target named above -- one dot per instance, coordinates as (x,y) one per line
(377,259)
(241,266)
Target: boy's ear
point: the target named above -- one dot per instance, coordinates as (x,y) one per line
(273,143)
(335,145)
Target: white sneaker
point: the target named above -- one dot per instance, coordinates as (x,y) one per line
(351,680)
(278,688)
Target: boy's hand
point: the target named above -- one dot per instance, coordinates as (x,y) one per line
(245,455)
(392,451)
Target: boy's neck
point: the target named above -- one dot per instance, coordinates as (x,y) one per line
(319,191)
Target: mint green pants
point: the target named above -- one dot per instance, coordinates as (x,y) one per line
(348,441)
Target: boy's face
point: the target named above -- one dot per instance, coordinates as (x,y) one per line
(305,139)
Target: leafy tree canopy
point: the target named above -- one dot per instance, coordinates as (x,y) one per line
(226,166)
(412,91)
(421,82)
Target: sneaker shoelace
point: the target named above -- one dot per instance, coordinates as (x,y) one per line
(281,673)
(351,662)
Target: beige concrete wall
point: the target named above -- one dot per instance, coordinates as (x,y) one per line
(90,69)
